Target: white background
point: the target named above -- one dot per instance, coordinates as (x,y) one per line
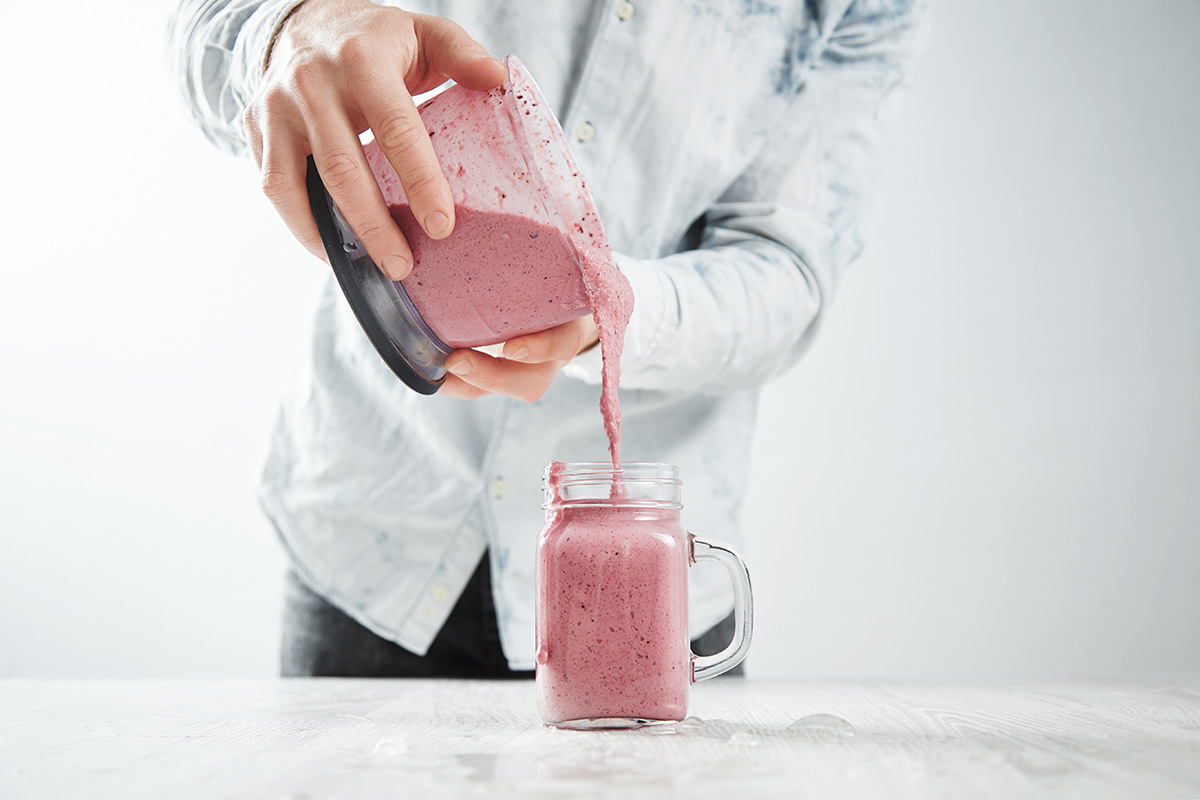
(988,465)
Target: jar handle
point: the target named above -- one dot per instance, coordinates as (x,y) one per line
(704,667)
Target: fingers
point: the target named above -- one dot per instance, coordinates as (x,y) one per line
(284,165)
(338,68)
(459,389)
(500,376)
(343,167)
(527,368)
(401,135)
(449,52)
(561,343)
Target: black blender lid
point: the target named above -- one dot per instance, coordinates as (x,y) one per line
(382,308)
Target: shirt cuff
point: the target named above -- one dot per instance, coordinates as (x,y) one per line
(256,34)
(650,294)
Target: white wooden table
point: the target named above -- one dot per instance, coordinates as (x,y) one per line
(746,739)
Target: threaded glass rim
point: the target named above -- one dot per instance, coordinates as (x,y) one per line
(633,483)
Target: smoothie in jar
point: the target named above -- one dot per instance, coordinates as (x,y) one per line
(612,615)
(612,598)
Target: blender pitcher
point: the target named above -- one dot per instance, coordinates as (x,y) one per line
(524,222)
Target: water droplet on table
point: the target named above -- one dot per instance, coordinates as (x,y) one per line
(822,728)
(391,746)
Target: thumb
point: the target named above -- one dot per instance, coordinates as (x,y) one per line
(446,49)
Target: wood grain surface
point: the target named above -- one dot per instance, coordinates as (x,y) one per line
(312,739)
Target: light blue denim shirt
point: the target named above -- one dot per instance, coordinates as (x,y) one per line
(730,147)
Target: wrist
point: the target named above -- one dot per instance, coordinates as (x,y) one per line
(277,32)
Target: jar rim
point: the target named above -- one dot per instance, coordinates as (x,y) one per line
(577,473)
(633,483)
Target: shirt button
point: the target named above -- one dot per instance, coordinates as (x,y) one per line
(439,594)
(624,10)
(431,612)
(585,132)
(499,487)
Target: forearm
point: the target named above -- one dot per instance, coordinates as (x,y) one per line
(217,49)
(744,305)
(729,315)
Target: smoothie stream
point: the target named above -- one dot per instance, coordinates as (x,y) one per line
(611,299)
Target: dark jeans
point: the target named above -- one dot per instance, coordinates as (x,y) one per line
(319,640)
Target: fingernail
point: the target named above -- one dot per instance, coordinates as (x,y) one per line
(461,368)
(521,354)
(437,224)
(395,267)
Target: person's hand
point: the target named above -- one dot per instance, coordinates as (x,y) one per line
(337,68)
(527,367)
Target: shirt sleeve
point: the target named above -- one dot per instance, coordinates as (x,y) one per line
(745,304)
(217,49)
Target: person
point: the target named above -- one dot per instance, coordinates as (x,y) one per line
(730,148)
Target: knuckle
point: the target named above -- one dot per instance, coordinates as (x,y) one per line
(446,29)
(384,16)
(276,185)
(398,133)
(271,104)
(408,53)
(308,75)
(371,230)
(339,171)
(462,45)
(421,182)
(357,50)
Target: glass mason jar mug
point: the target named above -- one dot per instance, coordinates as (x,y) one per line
(612,607)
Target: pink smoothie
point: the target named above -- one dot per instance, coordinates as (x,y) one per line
(496,277)
(612,614)
(507,269)
(611,299)
(519,277)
